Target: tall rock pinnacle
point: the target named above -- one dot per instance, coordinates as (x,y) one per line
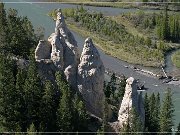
(131,100)
(71,55)
(63,50)
(91,78)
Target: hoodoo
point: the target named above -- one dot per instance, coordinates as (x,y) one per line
(61,49)
(60,53)
(91,78)
(131,100)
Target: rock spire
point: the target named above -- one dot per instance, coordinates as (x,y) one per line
(131,100)
(91,78)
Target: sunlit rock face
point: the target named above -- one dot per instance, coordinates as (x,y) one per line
(61,48)
(91,78)
(131,100)
(85,74)
(43,50)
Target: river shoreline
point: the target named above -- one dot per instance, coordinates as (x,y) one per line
(125,5)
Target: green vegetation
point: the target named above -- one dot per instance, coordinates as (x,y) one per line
(176,59)
(114,39)
(166,114)
(159,116)
(26,102)
(134,124)
(163,25)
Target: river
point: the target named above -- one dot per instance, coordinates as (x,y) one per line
(37,13)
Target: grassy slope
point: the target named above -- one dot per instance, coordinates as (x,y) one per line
(176,59)
(110,48)
(129,26)
(131,29)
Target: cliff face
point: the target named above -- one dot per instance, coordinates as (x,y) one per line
(131,100)
(91,78)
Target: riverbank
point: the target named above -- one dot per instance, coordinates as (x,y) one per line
(113,38)
(110,48)
(176,59)
(125,4)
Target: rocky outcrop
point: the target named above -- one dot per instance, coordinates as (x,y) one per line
(131,100)
(56,51)
(43,50)
(91,78)
(60,53)
(71,55)
(61,48)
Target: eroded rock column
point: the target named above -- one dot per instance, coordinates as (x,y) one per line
(91,78)
(131,100)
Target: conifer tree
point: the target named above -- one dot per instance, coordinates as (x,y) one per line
(20,80)
(80,119)
(8,96)
(157,112)
(147,112)
(136,125)
(48,109)
(31,130)
(122,86)
(152,107)
(33,94)
(166,115)
(65,111)
(113,82)
(133,125)
(3,28)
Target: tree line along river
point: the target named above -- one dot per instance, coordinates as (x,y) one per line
(37,13)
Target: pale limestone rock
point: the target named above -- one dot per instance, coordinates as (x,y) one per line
(57,51)
(43,50)
(71,55)
(91,78)
(131,100)
(62,51)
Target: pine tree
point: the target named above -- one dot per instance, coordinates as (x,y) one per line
(122,86)
(153,113)
(64,113)
(166,115)
(20,80)
(113,82)
(3,28)
(108,90)
(33,94)
(8,96)
(48,109)
(134,124)
(151,110)
(21,43)
(31,130)
(157,112)
(80,119)
(147,112)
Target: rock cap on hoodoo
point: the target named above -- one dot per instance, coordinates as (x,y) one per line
(130,80)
